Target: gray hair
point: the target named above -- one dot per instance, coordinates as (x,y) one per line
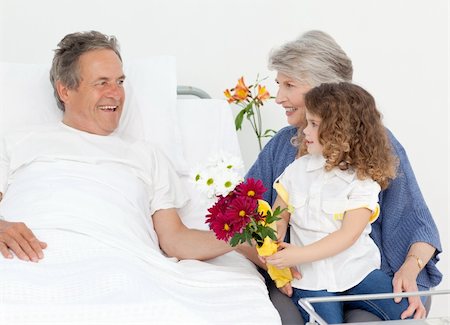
(314,58)
(65,62)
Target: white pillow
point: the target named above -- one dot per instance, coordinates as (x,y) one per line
(27,99)
(207,129)
(150,110)
(26,96)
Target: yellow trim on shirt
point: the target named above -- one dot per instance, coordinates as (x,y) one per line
(373,217)
(281,191)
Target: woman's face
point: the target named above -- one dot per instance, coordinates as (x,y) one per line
(291,94)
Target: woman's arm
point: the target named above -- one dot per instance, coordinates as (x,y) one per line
(405,279)
(406,220)
(352,227)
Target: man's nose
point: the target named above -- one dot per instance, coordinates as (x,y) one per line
(115,91)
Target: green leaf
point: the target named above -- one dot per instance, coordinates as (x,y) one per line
(248,237)
(239,119)
(271,234)
(234,240)
(263,232)
(249,109)
(271,218)
(269,133)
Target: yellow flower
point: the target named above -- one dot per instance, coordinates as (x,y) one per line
(263,207)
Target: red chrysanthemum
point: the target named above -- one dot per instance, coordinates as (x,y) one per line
(251,188)
(222,227)
(240,211)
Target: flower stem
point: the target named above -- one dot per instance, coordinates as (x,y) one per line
(258,125)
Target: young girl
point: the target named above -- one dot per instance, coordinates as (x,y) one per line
(332,197)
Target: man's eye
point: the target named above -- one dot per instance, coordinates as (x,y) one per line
(120,82)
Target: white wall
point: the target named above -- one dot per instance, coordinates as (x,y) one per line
(399,50)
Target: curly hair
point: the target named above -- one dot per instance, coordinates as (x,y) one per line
(351,131)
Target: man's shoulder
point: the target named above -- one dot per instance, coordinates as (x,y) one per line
(30,132)
(145,148)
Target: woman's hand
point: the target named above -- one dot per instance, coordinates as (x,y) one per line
(405,281)
(18,238)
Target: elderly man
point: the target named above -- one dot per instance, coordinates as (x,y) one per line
(105,207)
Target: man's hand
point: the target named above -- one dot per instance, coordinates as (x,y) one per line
(18,238)
(405,281)
(287,288)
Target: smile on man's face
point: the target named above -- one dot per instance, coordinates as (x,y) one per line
(97,104)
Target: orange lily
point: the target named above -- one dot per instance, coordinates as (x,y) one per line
(228,95)
(241,91)
(263,94)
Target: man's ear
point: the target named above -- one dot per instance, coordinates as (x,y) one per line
(63,91)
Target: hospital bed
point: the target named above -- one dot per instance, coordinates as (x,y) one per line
(189,128)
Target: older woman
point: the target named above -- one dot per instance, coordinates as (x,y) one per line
(405,231)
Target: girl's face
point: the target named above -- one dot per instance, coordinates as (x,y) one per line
(291,93)
(311,133)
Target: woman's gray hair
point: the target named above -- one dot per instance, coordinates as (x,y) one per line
(314,58)
(65,62)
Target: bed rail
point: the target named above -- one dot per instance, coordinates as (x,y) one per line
(192,91)
(315,318)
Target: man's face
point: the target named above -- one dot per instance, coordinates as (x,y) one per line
(96,105)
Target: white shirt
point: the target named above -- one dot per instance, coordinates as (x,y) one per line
(59,177)
(319,200)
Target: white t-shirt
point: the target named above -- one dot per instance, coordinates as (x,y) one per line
(58,177)
(319,200)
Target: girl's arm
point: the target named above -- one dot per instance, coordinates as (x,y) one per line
(283,223)
(352,227)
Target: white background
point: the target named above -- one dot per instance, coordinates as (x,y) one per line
(399,51)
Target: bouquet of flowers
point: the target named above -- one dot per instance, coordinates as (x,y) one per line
(250,98)
(240,214)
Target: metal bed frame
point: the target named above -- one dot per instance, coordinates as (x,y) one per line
(192,91)
(315,318)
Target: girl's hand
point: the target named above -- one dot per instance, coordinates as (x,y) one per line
(286,257)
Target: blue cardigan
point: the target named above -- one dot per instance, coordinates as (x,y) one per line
(404,218)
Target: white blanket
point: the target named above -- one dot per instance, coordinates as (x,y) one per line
(111,271)
(85,281)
